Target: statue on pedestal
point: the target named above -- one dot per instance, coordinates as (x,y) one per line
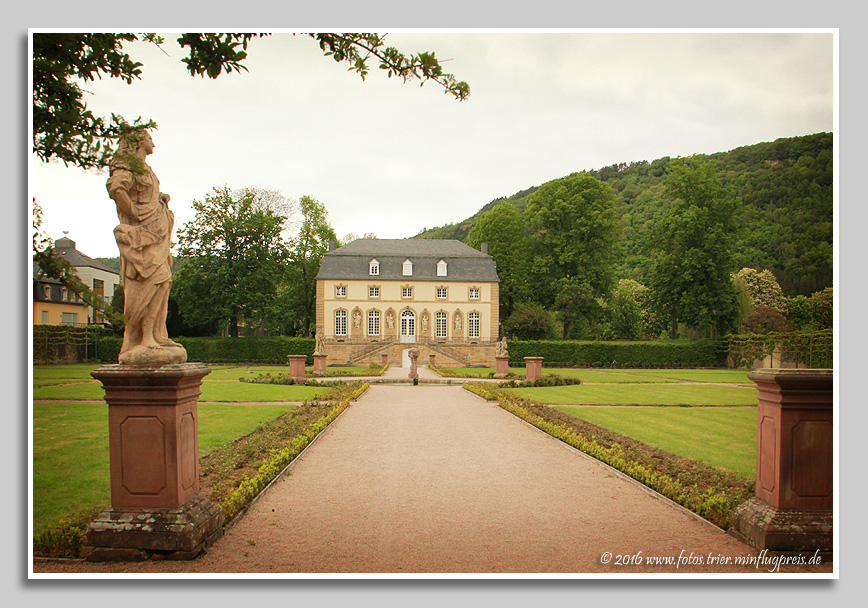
(143,239)
(500,348)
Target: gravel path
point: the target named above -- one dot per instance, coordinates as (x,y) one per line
(434,479)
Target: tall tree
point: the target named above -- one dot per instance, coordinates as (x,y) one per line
(503,229)
(692,247)
(233,262)
(307,250)
(574,232)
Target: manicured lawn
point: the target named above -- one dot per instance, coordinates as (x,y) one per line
(732,376)
(71,459)
(720,437)
(641,394)
(245,391)
(602,376)
(75,383)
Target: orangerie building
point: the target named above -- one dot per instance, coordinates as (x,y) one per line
(378,298)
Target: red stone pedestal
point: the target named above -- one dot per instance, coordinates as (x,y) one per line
(502,369)
(432,358)
(296,367)
(384,359)
(414,372)
(792,509)
(154,450)
(533,367)
(319,365)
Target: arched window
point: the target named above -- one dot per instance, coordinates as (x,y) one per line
(373,322)
(473,325)
(442,323)
(340,322)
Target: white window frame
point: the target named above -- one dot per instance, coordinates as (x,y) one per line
(407,268)
(340,291)
(473,294)
(374,322)
(441,324)
(407,292)
(442,268)
(474,324)
(373,291)
(442,293)
(374,268)
(341,322)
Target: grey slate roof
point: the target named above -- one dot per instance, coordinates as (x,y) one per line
(464,263)
(66,247)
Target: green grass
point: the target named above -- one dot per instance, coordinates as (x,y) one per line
(245,391)
(71,457)
(602,376)
(641,394)
(729,376)
(720,437)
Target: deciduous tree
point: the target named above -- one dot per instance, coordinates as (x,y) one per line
(574,232)
(306,251)
(692,248)
(504,231)
(234,260)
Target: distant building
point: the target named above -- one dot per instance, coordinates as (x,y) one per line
(54,304)
(381,297)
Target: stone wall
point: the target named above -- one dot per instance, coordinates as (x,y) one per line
(449,355)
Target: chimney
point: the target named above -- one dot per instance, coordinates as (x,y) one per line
(331,244)
(484,248)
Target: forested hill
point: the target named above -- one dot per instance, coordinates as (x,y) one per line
(785,220)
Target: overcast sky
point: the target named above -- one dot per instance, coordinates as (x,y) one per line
(393,158)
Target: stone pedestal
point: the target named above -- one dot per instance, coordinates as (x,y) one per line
(792,509)
(319,365)
(533,367)
(414,372)
(502,369)
(296,367)
(384,359)
(156,509)
(432,358)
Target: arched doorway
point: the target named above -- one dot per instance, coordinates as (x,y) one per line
(408,326)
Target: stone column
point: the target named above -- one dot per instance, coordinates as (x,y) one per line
(533,366)
(296,367)
(792,509)
(319,365)
(502,370)
(414,372)
(156,509)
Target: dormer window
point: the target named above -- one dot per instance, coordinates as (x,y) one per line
(441,268)
(408,268)
(374,268)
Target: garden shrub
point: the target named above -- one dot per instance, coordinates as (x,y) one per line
(661,353)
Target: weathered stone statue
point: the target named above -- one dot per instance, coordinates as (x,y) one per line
(500,348)
(320,342)
(143,238)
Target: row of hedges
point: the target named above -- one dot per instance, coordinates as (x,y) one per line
(572,353)
(225,350)
(812,348)
(65,344)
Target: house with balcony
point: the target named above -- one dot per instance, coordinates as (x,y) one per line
(378,298)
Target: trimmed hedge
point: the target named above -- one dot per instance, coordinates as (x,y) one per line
(661,353)
(272,350)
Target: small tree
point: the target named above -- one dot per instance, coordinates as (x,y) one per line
(529,322)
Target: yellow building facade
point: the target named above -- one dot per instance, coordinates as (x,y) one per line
(378,298)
